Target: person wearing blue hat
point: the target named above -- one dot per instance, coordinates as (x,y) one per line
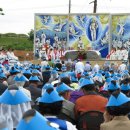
(67,111)
(58,64)
(50,105)
(27,73)
(33,87)
(13,103)
(33,120)
(20,80)
(13,71)
(104,89)
(113,86)
(37,73)
(54,76)
(46,86)
(46,74)
(116,115)
(91,101)
(125,87)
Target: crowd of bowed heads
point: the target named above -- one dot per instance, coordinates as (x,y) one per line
(44,97)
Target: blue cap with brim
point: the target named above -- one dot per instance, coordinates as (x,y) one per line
(50,98)
(111,86)
(85,82)
(18,98)
(125,87)
(34,78)
(38,122)
(62,88)
(21,78)
(27,72)
(117,101)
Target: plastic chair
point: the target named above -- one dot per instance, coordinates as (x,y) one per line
(90,120)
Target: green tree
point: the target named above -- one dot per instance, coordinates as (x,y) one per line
(31,35)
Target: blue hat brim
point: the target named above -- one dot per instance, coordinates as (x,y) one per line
(121,99)
(50,98)
(38,122)
(18,98)
(62,88)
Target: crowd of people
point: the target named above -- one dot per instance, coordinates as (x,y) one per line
(53,97)
(7,56)
(44,47)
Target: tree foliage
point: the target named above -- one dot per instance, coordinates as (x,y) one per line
(31,35)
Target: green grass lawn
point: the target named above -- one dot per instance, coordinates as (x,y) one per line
(16,43)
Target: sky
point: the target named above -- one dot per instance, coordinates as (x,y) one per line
(19,14)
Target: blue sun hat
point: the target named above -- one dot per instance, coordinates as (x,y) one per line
(35,71)
(34,78)
(2,75)
(112,86)
(86,73)
(119,75)
(54,72)
(74,79)
(62,75)
(118,100)
(108,80)
(37,66)
(107,74)
(63,88)
(14,70)
(27,71)
(20,78)
(13,99)
(47,67)
(37,122)
(125,87)
(115,78)
(85,82)
(51,97)
(47,85)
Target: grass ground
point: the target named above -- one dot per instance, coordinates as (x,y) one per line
(16,43)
